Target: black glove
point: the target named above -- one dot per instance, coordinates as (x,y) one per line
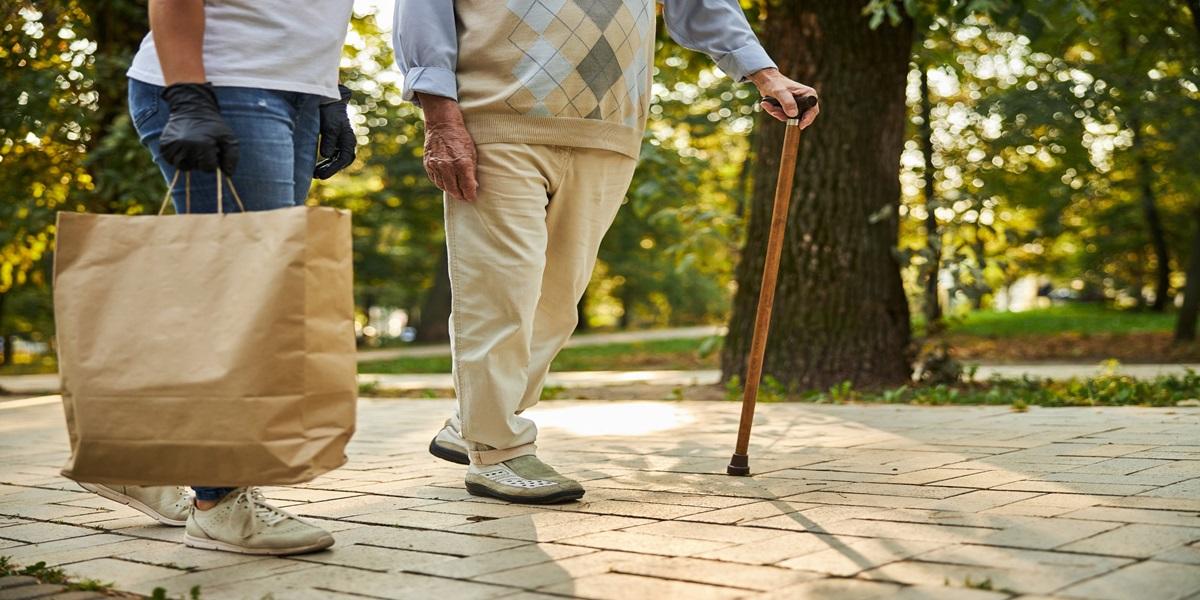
(337,136)
(196,137)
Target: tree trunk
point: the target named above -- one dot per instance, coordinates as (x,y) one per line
(581,310)
(1145,184)
(981,264)
(626,300)
(1154,226)
(434,322)
(7,357)
(1194,6)
(1185,324)
(840,309)
(933,237)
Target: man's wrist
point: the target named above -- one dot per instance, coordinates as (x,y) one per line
(762,75)
(439,108)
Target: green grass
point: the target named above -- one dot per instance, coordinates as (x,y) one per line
(1073,318)
(698,353)
(31,367)
(692,353)
(653,355)
(1110,389)
(56,576)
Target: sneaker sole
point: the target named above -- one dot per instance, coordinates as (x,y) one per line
(207,544)
(133,503)
(476,489)
(454,456)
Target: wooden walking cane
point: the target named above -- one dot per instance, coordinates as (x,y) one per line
(739,464)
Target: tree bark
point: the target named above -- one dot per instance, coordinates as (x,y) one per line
(1194,6)
(433,324)
(933,236)
(1154,225)
(840,309)
(8,354)
(581,311)
(1185,323)
(980,247)
(627,303)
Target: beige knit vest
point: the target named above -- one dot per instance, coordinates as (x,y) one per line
(556,72)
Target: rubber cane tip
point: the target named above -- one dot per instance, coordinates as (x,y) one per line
(739,465)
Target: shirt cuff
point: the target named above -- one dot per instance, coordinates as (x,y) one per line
(435,81)
(744,61)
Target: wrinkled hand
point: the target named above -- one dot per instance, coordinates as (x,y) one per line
(450,157)
(337,136)
(772,84)
(196,137)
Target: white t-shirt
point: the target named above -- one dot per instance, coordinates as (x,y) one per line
(271,44)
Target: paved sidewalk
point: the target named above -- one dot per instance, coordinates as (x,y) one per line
(848,502)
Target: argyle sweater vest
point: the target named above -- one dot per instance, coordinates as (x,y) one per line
(556,72)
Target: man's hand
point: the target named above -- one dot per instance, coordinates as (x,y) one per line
(449,150)
(337,136)
(195,136)
(772,84)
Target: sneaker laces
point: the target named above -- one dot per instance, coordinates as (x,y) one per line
(183,497)
(260,511)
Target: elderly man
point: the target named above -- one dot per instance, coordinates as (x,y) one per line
(535,112)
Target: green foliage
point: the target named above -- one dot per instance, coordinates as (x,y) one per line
(551,392)
(983,584)
(396,209)
(160,593)
(669,256)
(1032,16)
(41,137)
(1036,106)
(65,139)
(842,393)
(51,575)
(1087,111)
(1110,389)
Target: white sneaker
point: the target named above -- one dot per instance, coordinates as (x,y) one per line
(243,522)
(168,505)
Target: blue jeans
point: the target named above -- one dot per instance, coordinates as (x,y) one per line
(277,139)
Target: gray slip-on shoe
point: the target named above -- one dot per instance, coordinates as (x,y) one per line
(449,445)
(523,480)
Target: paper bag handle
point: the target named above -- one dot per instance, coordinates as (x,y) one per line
(187,193)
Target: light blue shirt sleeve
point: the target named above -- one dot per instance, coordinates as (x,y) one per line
(719,29)
(425,39)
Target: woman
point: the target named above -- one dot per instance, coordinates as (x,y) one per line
(245,89)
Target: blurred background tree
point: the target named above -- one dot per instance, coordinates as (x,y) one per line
(972,156)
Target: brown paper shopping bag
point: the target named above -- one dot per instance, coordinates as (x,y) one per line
(206,349)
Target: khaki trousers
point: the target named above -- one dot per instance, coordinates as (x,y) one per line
(521,257)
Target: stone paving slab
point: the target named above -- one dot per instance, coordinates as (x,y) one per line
(847,502)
